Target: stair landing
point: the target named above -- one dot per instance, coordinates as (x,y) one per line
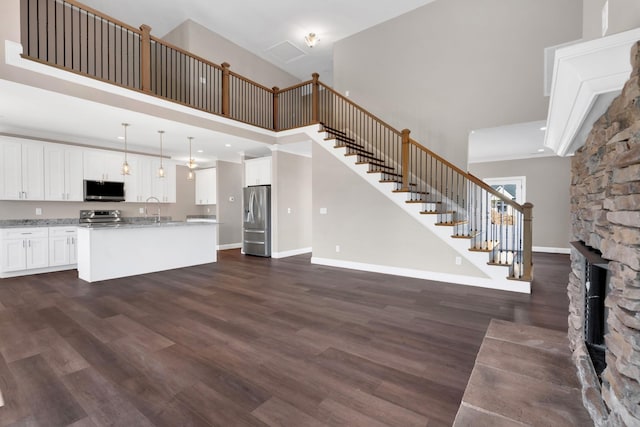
(523,376)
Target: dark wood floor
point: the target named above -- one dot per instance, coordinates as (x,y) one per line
(251,341)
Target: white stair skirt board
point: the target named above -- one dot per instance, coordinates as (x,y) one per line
(293,252)
(496,276)
(229,246)
(551,250)
(512,285)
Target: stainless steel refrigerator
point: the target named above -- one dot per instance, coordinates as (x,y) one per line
(256,230)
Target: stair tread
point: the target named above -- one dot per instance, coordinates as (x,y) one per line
(436,212)
(409,191)
(465,236)
(379,165)
(498,264)
(419,201)
(353,147)
(490,246)
(386,173)
(329,129)
(451,223)
(368,156)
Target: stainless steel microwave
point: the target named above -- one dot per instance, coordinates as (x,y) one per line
(103,191)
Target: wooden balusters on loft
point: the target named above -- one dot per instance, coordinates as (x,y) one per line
(225,89)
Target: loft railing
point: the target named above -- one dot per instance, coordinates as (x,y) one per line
(69,35)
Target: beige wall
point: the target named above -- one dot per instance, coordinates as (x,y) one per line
(453,66)
(229,185)
(291,190)
(623,15)
(185,205)
(203,42)
(548,180)
(369,228)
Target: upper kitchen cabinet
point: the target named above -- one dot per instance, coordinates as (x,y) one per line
(22,170)
(63,173)
(164,188)
(137,185)
(257,171)
(102,165)
(206,181)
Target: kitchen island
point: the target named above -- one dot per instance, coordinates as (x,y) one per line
(110,251)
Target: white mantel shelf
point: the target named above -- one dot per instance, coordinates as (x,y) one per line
(584,74)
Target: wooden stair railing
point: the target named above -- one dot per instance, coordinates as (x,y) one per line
(74,37)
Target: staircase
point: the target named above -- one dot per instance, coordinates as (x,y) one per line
(491,233)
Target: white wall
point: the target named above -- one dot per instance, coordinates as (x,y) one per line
(369,228)
(291,197)
(452,66)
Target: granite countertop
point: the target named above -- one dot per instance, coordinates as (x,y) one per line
(143,224)
(51,222)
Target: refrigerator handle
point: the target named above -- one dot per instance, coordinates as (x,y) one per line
(250,217)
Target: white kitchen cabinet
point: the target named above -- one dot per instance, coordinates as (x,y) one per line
(257,171)
(164,188)
(206,181)
(24,249)
(102,165)
(137,185)
(63,246)
(63,173)
(22,170)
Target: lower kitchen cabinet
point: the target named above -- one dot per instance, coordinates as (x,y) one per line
(24,249)
(63,249)
(37,250)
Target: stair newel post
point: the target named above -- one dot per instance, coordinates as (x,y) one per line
(315,98)
(145,58)
(405,159)
(527,241)
(225,88)
(276,95)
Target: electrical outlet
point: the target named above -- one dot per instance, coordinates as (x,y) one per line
(458,260)
(337,248)
(346,93)
(288,210)
(141,210)
(38,211)
(323,211)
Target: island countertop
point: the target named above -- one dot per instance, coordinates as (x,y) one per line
(107,251)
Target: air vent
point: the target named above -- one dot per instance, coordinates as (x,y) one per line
(286,51)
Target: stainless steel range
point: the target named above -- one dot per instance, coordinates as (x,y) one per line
(103,217)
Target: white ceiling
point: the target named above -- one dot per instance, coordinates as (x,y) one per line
(259,25)
(518,141)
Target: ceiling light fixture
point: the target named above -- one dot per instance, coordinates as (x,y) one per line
(540,150)
(191,164)
(227,145)
(126,170)
(311,39)
(543,128)
(161,169)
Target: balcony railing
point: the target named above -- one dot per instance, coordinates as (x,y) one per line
(69,35)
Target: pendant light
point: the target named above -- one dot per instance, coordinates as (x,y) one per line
(191,164)
(161,169)
(126,170)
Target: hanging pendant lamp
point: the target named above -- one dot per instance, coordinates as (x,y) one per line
(161,169)
(126,170)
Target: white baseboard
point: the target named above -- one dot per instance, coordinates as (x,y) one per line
(38,271)
(292,252)
(503,285)
(229,246)
(551,250)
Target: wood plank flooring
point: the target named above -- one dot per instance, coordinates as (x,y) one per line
(251,342)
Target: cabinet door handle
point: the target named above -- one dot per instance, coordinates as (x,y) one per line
(29,243)
(24,243)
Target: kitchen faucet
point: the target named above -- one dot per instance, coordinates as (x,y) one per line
(157,203)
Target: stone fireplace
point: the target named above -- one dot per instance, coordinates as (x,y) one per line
(605,210)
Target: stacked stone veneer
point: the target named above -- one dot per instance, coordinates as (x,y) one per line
(605,206)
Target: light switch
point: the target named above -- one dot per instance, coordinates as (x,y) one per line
(288,210)
(38,211)
(323,211)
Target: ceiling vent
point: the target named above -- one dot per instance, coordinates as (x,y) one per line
(285,51)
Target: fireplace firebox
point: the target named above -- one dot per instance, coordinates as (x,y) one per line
(595,281)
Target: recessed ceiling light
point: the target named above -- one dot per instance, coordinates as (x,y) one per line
(227,145)
(540,150)
(200,151)
(121,137)
(543,128)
